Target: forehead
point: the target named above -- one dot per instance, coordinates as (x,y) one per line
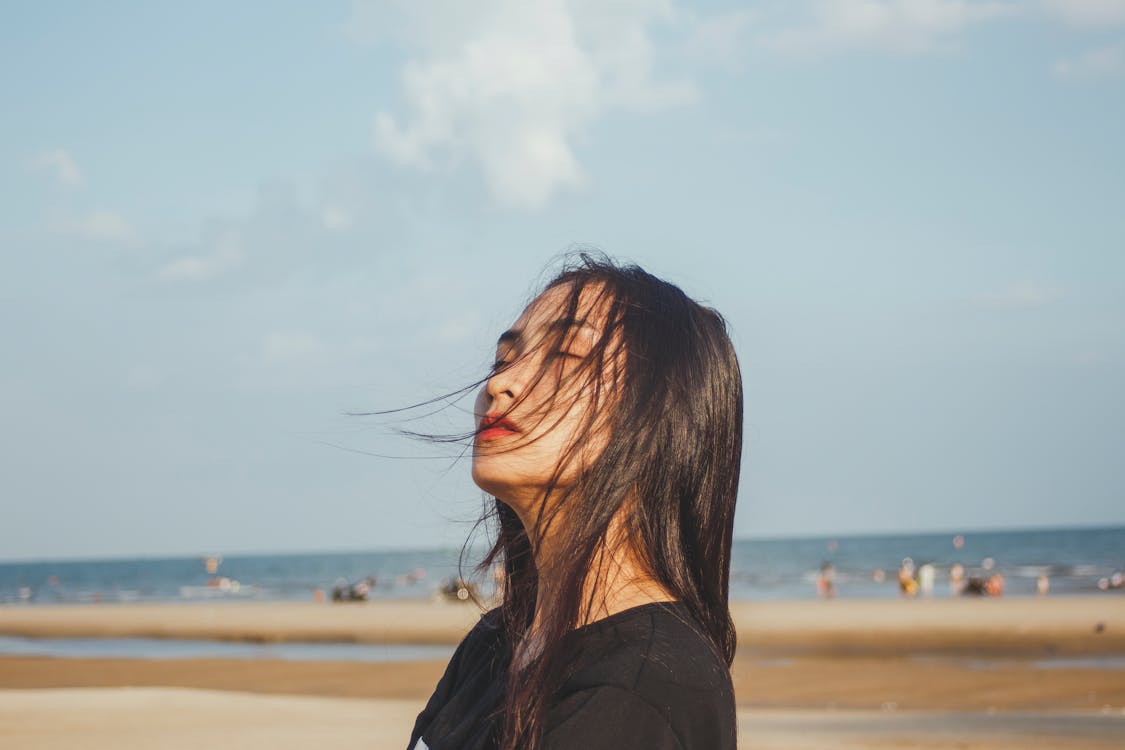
(553,305)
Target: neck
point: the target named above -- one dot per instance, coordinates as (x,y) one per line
(616,581)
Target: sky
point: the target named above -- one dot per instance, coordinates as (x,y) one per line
(226,228)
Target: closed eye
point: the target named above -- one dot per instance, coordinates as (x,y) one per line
(505,353)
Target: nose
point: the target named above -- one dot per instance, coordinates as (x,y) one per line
(504,383)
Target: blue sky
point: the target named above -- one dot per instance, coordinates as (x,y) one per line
(224,227)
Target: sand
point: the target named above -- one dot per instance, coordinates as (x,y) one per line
(185,718)
(175,718)
(761,681)
(841,674)
(1073,625)
(1062,625)
(395,622)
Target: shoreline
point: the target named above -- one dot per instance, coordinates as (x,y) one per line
(1074,625)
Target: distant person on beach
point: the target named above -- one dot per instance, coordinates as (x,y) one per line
(826,581)
(608,437)
(353,592)
(907,583)
(926,576)
(957,581)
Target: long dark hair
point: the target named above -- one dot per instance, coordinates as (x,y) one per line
(671,425)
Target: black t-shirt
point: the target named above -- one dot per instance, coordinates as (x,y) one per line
(641,678)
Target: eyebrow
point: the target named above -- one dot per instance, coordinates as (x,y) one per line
(514,335)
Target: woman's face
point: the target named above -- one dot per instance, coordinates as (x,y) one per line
(535,407)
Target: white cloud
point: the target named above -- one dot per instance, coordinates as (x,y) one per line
(1021,294)
(895,26)
(1087,12)
(1104,62)
(61,165)
(510,85)
(290,347)
(335,219)
(103,226)
(722,38)
(228,254)
(294,358)
(459,328)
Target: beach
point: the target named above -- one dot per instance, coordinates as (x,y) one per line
(1019,672)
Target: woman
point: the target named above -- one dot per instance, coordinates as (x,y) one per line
(609,434)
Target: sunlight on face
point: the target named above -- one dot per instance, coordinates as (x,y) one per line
(537,404)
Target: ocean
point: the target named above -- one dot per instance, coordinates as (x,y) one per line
(1074,561)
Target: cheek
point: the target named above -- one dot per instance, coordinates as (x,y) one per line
(480,406)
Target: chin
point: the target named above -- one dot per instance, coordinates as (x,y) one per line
(484,479)
(491,475)
(495,477)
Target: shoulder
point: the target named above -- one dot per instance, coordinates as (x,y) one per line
(647,647)
(482,647)
(472,683)
(485,636)
(652,660)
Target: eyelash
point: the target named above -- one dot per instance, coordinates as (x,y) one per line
(502,363)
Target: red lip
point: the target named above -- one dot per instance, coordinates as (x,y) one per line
(496,425)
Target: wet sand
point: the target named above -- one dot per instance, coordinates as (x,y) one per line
(841,674)
(761,681)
